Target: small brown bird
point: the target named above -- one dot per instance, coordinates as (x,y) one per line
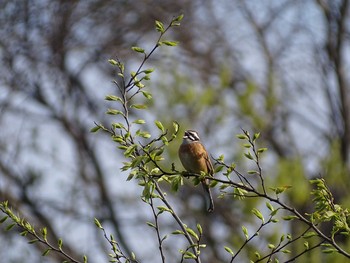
(195,159)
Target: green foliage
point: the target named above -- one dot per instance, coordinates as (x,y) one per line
(326,210)
(28,230)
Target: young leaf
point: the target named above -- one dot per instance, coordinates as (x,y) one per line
(170,43)
(148,71)
(249,156)
(46,252)
(159,26)
(2,220)
(113,98)
(288,218)
(60,243)
(178,18)
(113,62)
(189,255)
(176,126)
(93,129)
(271,246)
(159,125)
(229,250)
(178,232)
(256,136)
(113,112)
(138,49)
(139,121)
(245,232)
(151,224)
(139,106)
(192,233)
(309,234)
(199,228)
(33,241)
(97,223)
(269,206)
(261,150)
(242,136)
(9,227)
(258,214)
(146,94)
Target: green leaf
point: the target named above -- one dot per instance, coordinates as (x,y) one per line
(163,208)
(178,232)
(60,243)
(258,214)
(44,232)
(282,238)
(288,218)
(192,233)
(286,251)
(144,134)
(95,129)
(249,155)
(2,220)
(280,189)
(33,241)
(9,227)
(24,233)
(113,62)
(176,127)
(148,71)
(261,150)
(178,18)
(329,250)
(146,94)
(117,125)
(256,136)
(139,106)
(189,255)
(242,136)
(229,250)
(113,98)
(138,49)
(176,182)
(85,259)
(309,234)
(139,84)
(169,43)
(269,206)
(113,112)
(159,26)
(139,121)
(133,256)
(245,232)
(46,252)
(257,255)
(151,224)
(130,150)
(97,223)
(199,228)
(271,246)
(159,125)
(218,169)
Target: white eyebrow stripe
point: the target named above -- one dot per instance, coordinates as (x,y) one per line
(193,135)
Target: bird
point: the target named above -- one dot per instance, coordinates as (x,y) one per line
(195,159)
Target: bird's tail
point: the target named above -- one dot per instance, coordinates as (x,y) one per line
(208,196)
